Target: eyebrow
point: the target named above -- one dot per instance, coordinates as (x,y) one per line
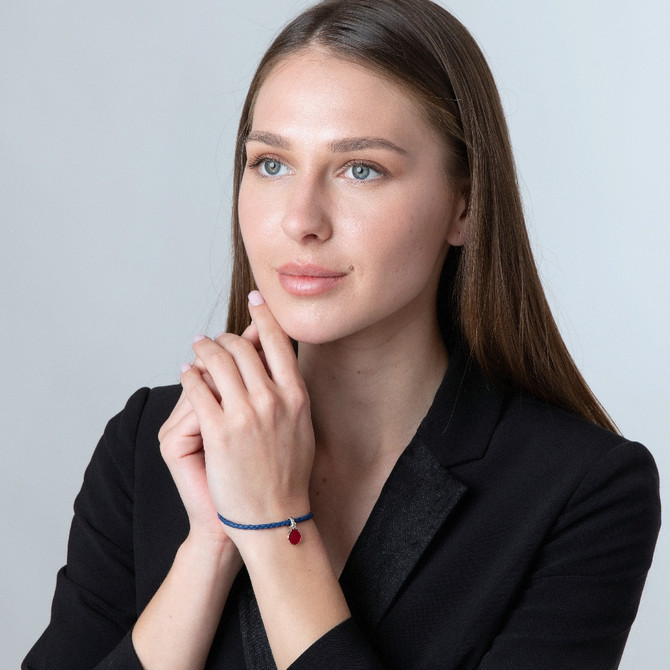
(358,143)
(337,146)
(270,139)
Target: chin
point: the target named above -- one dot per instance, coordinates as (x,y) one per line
(313,321)
(308,335)
(308,331)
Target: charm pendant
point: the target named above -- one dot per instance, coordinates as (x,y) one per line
(294,535)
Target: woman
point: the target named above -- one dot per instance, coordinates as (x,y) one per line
(429,483)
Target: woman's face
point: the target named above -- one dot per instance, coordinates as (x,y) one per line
(344,206)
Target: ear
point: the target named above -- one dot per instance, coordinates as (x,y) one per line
(458,227)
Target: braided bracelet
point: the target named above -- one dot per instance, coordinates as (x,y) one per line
(294,535)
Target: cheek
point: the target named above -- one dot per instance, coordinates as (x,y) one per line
(411,256)
(247,205)
(252,217)
(415,238)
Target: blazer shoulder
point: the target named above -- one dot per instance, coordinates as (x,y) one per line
(136,426)
(561,435)
(157,407)
(160,402)
(553,454)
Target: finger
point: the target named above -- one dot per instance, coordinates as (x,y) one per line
(205,405)
(279,354)
(251,334)
(182,407)
(188,425)
(207,378)
(221,367)
(180,435)
(197,363)
(247,334)
(249,361)
(182,439)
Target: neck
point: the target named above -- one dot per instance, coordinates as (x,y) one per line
(368,396)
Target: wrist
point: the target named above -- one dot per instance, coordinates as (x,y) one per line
(298,593)
(258,546)
(246,531)
(209,549)
(291,523)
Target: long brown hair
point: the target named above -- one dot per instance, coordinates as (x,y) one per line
(491,292)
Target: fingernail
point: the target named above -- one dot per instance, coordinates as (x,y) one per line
(185,367)
(255,298)
(197,338)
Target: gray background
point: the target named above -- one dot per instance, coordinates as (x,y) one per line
(116,127)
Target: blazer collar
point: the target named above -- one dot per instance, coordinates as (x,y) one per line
(466,410)
(414,503)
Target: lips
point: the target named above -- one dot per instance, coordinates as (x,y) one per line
(309,279)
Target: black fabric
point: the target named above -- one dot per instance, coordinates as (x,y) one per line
(330,653)
(510,534)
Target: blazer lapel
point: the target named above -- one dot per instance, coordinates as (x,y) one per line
(421,492)
(414,503)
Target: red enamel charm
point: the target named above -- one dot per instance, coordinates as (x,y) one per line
(294,535)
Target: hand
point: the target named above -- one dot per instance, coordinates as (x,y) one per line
(254,421)
(182,450)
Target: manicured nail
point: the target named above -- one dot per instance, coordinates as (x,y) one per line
(185,367)
(255,298)
(197,338)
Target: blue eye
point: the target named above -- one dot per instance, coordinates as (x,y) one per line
(270,167)
(362,172)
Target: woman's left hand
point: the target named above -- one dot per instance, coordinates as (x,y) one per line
(258,438)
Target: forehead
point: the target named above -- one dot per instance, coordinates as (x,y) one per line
(316,89)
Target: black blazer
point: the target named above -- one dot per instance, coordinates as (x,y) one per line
(510,534)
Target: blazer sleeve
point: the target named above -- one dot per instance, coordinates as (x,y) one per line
(578,604)
(342,648)
(94,606)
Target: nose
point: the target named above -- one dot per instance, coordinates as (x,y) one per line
(307,211)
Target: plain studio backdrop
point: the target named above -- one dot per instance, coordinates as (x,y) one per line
(117,122)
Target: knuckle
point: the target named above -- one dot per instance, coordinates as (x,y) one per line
(239,345)
(187,380)
(265,400)
(236,348)
(297,399)
(227,339)
(198,391)
(221,358)
(243,418)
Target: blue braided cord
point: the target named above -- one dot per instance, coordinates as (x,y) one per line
(264,526)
